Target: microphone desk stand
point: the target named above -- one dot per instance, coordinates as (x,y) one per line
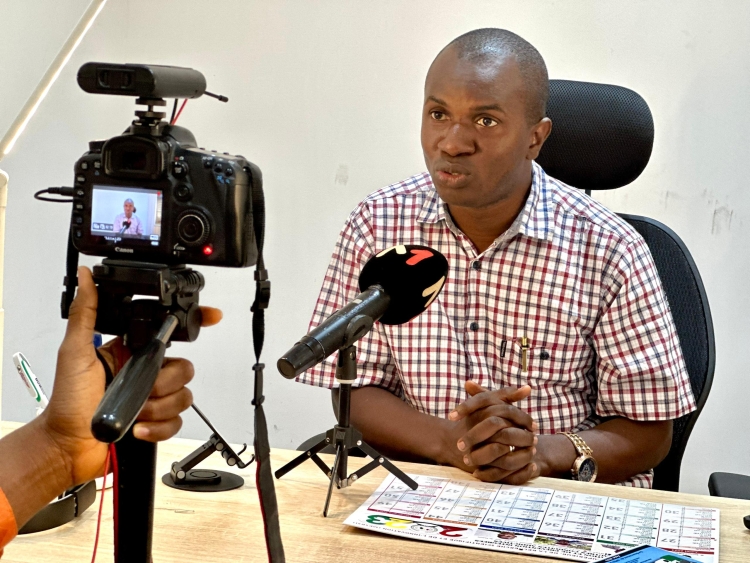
(344,437)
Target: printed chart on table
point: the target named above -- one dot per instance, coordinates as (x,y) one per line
(532,520)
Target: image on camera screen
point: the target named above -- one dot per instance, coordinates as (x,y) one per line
(133,213)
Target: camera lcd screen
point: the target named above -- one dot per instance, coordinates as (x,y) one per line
(119,213)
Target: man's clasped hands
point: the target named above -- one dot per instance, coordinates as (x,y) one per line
(494,439)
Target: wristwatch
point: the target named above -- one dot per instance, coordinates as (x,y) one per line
(584,467)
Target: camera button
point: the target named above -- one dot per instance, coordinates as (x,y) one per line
(97,164)
(84,166)
(229,171)
(218,168)
(180,169)
(81,179)
(79,233)
(193,228)
(208,162)
(80,193)
(184,192)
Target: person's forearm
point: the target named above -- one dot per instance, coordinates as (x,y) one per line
(399,431)
(33,470)
(622,448)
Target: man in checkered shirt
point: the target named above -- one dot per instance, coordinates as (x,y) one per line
(552,318)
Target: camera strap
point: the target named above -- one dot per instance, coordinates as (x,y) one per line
(263,476)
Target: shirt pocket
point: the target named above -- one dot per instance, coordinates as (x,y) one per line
(561,366)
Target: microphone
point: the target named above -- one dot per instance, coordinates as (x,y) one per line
(397,285)
(125,226)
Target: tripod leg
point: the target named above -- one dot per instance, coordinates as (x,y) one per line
(334,476)
(137,468)
(320,463)
(300,459)
(385,462)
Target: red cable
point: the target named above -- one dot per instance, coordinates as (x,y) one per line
(176,117)
(101,505)
(115,489)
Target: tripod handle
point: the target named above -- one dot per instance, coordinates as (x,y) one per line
(129,391)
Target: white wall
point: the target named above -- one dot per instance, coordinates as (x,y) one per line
(325,96)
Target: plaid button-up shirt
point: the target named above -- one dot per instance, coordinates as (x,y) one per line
(569,275)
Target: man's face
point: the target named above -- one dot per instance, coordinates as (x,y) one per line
(475,134)
(128,207)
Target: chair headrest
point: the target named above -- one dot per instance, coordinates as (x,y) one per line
(602,135)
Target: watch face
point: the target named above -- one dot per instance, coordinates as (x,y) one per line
(587,470)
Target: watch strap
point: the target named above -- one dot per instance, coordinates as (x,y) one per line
(581,447)
(71,504)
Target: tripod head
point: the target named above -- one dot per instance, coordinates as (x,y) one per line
(174,289)
(146,325)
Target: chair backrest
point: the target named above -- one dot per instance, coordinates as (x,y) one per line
(692,318)
(602,136)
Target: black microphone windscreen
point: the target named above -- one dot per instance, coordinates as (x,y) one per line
(411,275)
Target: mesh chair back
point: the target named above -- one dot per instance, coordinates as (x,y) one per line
(692,316)
(602,137)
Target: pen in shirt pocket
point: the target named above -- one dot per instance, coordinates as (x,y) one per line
(524,354)
(524,342)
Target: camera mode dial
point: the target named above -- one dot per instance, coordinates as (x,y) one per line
(193,227)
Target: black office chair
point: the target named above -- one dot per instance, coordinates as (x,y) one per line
(602,136)
(729,485)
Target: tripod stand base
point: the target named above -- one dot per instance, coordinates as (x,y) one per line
(205,481)
(344,439)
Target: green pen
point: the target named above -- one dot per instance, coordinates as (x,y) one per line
(30,381)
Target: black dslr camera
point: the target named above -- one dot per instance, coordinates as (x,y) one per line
(151,194)
(152,203)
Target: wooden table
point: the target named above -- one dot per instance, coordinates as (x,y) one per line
(226,527)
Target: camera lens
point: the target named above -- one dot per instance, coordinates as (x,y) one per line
(193,227)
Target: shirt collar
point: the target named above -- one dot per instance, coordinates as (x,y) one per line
(433,208)
(535,219)
(536,215)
